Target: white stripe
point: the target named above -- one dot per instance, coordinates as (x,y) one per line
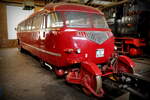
(48,65)
(48,52)
(79,38)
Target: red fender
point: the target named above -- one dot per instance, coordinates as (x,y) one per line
(127,61)
(89,76)
(124,64)
(91,68)
(91,79)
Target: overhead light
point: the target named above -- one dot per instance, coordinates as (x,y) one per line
(101,2)
(28,5)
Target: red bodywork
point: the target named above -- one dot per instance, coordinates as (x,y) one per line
(72,51)
(130,46)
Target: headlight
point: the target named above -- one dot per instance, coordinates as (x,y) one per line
(115,47)
(78,50)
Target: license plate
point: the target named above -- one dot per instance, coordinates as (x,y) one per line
(100,53)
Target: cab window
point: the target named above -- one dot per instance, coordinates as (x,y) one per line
(77,19)
(99,21)
(84,20)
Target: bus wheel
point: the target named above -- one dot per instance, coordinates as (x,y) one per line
(20,49)
(42,63)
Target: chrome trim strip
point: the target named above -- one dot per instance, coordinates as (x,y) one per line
(48,52)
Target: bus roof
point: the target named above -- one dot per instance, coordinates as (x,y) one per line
(71,7)
(66,7)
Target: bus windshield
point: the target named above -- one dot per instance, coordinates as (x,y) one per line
(85,20)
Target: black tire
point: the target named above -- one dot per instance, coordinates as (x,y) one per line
(42,63)
(20,49)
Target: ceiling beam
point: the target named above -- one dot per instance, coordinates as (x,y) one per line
(112,4)
(116,4)
(88,2)
(21,2)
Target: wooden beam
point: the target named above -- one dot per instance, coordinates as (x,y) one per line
(103,6)
(116,3)
(37,2)
(88,2)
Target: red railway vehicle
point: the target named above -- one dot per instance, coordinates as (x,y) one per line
(130,45)
(76,41)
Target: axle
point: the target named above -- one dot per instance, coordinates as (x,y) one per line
(138,86)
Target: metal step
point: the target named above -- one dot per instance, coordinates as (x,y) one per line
(122,52)
(119,47)
(118,42)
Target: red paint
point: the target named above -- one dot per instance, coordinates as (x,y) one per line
(59,72)
(75,51)
(133,46)
(71,7)
(91,67)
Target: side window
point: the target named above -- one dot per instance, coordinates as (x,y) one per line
(54,20)
(26,25)
(22,26)
(34,22)
(37,21)
(58,20)
(29,24)
(44,21)
(49,19)
(18,28)
(43,25)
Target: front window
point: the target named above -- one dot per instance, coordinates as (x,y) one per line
(85,20)
(77,19)
(99,21)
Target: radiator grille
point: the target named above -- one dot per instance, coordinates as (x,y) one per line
(95,36)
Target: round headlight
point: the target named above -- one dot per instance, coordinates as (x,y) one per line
(115,47)
(78,50)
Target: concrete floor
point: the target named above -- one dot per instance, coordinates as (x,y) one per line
(142,66)
(22,78)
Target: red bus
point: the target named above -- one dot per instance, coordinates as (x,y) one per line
(75,41)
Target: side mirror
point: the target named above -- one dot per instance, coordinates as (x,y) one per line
(15,28)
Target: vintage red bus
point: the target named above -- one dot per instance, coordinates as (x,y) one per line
(76,42)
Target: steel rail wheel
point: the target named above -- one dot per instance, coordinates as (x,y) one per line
(122,67)
(123,64)
(92,85)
